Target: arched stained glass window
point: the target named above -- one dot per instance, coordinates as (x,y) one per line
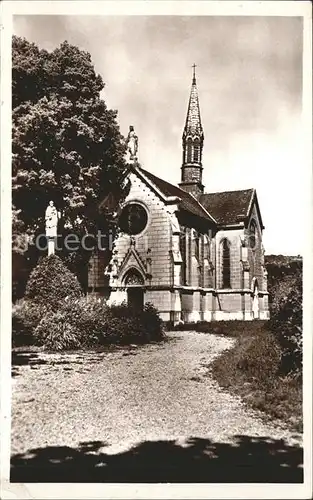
(252,234)
(182,247)
(133,277)
(196,151)
(197,246)
(189,151)
(225,259)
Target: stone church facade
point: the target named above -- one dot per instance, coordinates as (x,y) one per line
(196,256)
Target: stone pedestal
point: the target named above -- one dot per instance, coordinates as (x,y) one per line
(247,307)
(51,246)
(195,314)
(176,307)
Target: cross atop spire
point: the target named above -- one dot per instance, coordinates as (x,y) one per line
(194,73)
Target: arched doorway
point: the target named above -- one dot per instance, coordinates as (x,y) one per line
(134,283)
(255,301)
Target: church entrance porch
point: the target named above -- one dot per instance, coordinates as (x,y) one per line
(134,283)
(135,297)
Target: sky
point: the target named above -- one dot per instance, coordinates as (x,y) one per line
(249,77)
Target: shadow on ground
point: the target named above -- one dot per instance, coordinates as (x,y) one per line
(19,359)
(248,459)
(24,356)
(34,360)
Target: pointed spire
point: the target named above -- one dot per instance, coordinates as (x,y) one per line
(193,124)
(191,172)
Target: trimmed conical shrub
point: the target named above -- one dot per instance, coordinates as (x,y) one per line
(51,282)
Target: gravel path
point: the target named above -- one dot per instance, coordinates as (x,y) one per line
(156,392)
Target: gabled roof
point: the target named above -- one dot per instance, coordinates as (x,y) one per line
(224,209)
(229,207)
(187,201)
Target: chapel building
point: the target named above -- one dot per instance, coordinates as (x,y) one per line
(196,256)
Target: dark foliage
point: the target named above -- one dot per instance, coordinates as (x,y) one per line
(282,274)
(287,326)
(20,275)
(285,289)
(26,315)
(90,323)
(233,328)
(51,282)
(66,147)
(249,459)
(152,324)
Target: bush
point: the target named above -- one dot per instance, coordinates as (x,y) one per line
(85,325)
(152,323)
(90,322)
(26,315)
(56,333)
(51,282)
(286,324)
(88,316)
(232,328)
(283,272)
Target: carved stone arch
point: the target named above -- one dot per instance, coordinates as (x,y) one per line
(133,277)
(134,281)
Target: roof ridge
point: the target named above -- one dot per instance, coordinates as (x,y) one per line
(184,193)
(231,191)
(211,216)
(163,180)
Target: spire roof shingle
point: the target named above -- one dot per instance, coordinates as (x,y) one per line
(193,124)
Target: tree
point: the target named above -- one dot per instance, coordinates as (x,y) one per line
(66,143)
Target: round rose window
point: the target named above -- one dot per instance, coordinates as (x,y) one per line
(133,219)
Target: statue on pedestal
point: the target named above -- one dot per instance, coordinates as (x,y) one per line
(51,217)
(132,143)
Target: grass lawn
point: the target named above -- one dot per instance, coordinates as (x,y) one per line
(248,369)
